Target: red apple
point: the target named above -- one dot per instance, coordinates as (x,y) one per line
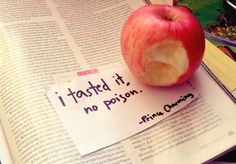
(162,45)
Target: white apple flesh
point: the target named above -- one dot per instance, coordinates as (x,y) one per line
(162,45)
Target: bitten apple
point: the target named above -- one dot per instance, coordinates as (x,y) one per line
(162,45)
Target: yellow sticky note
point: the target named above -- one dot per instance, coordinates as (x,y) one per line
(221,65)
(170,2)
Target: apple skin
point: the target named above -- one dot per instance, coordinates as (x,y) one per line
(162,45)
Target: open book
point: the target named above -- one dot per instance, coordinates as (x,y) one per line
(41,38)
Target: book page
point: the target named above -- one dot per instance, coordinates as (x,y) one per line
(5,156)
(48,38)
(53,37)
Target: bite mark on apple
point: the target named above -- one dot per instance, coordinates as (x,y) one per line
(164,62)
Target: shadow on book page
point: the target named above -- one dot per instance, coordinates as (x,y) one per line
(218,19)
(103,108)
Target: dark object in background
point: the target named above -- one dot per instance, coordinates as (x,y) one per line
(229,157)
(230,6)
(228,51)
